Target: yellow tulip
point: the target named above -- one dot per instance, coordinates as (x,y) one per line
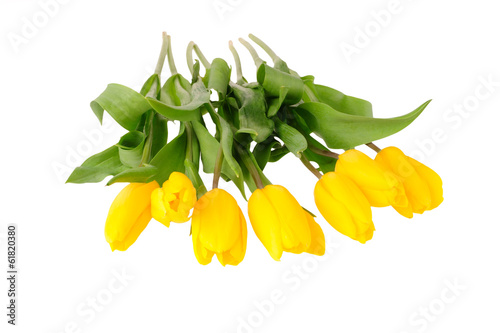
(380,186)
(281,223)
(129,215)
(422,185)
(344,206)
(174,200)
(219,227)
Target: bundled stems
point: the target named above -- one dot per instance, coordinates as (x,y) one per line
(373,146)
(309,166)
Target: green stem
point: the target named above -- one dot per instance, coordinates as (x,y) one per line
(218,167)
(236,56)
(200,55)
(258,61)
(323,152)
(265,47)
(148,130)
(247,161)
(309,166)
(189,57)
(171,62)
(189,149)
(374,147)
(159,65)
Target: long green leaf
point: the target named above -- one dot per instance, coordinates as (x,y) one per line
(170,158)
(130,148)
(344,131)
(219,76)
(292,138)
(98,167)
(143,174)
(273,79)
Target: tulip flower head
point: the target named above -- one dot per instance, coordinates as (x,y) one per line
(423,186)
(174,200)
(281,223)
(344,206)
(218,227)
(380,186)
(129,215)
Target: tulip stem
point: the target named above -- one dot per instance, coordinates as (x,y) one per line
(189,148)
(249,164)
(323,152)
(200,55)
(218,167)
(373,146)
(189,57)
(171,62)
(258,61)
(309,166)
(236,56)
(159,66)
(265,47)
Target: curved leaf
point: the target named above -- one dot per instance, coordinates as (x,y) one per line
(130,148)
(186,112)
(219,76)
(170,158)
(273,79)
(345,131)
(125,105)
(142,174)
(292,138)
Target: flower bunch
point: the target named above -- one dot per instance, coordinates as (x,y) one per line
(256,123)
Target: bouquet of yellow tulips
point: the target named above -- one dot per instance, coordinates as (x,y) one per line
(256,123)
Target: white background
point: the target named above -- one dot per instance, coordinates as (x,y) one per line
(442,50)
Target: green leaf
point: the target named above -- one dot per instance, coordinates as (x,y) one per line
(227,146)
(209,147)
(252,112)
(143,174)
(98,167)
(273,79)
(276,103)
(170,158)
(262,151)
(345,131)
(278,154)
(292,138)
(160,133)
(193,174)
(176,91)
(152,82)
(130,148)
(186,112)
(219,76)
(125,105)
(344,103)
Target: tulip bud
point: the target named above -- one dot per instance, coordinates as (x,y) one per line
(380,186)
(281,223)
(344,206)
(129,215)
(174,200)
(422,185)
(219,227)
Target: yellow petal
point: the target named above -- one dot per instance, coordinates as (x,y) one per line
(266,223)
(317,246)
(158,210)
(433,181)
